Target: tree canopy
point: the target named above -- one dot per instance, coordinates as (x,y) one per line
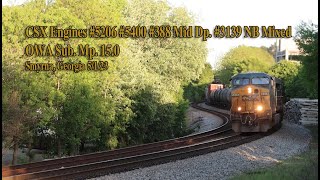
(138,99)
(287,71)
(243,59)
(307,41)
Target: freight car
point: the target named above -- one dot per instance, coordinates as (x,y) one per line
(255,101)
(216,85)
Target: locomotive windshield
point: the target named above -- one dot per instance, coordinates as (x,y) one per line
(261,81)
(255,80)
(240,82)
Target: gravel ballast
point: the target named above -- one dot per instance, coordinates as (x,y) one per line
(290,140)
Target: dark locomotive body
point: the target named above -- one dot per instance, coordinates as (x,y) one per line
(255,101)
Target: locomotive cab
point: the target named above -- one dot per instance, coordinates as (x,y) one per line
(254,102)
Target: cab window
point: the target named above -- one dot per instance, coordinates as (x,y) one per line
(240,82)
(260,80)
(245,81)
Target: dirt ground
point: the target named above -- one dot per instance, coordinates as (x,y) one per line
(201,121)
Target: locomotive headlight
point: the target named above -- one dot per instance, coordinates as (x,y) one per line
(259,108)
(249,90)
(239,108)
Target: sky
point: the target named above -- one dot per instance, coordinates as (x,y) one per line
(210,13)
(280,14)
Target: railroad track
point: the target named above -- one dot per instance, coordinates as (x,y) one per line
(119,160)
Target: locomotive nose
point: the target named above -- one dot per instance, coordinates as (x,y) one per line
(251,100)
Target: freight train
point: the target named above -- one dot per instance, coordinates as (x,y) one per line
(255,101)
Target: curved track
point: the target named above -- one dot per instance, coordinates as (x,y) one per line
(101,163)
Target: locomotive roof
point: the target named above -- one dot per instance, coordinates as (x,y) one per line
(251,75)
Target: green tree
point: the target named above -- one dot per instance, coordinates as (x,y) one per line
(173,61)
(24,93)
(287,71)
(142,89)
(307,41)
(16,124)
(243,59)
(194,91)
(158,69)
(49,93)
(81,116)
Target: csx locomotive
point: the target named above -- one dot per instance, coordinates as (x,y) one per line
(255,101)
